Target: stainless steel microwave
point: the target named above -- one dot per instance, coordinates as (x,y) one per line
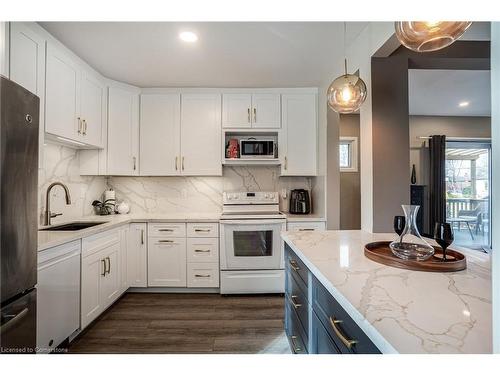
(258,148)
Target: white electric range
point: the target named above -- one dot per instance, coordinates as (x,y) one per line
(251,248)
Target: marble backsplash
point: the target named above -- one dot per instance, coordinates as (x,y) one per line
(199,194)
(151,194)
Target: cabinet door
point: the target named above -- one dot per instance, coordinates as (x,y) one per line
(236,110)
(110,284)
(266,111)
(123,132)
(62,95)
(27,67)
(137,256)
(201,135)
(299,143)
(93,267)
(91,108)
(167,262)
(160,134)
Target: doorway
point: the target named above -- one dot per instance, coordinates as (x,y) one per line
(468,192)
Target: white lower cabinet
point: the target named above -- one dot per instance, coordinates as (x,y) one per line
(58,295)
(101,273)
(137,255)
(203,275)
(167,261)
(306,226)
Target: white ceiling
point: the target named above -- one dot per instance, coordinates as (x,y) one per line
(438,92)
(265,54)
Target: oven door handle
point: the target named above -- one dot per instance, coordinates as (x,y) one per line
(262,222)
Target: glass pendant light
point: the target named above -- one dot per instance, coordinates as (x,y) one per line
(347,92)
(429,36)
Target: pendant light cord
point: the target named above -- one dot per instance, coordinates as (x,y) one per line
(345,48)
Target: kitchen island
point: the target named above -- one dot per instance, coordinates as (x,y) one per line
(392,310)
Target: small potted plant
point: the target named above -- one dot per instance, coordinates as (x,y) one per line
(103,208)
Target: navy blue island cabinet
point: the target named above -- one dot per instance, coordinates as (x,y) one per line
(315,323)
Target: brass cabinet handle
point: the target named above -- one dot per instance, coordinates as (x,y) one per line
(142,236)
(109,265)
(295,348)
(176,160)
(202,230)
(165,230)
(286,163)
(135,162)
(197,275)
(296,305)
(349,343)
(79,125)
(201,251)
(182,162)
(104,267)
(294,265)
(165,241)
(248,114)
(306,229)
(255,115)
(84,127)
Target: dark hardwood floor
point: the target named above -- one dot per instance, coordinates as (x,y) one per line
(187,323)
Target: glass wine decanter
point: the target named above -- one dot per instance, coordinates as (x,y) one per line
(411,245)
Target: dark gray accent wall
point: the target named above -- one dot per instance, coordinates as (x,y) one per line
(332,170)
(391,156)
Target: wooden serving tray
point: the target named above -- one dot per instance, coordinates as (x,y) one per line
(380,252)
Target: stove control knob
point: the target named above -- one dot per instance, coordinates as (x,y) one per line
(271,196)
(266,196)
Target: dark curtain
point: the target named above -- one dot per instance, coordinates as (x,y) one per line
(437,188)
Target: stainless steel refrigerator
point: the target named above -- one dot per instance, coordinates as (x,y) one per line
(19,116)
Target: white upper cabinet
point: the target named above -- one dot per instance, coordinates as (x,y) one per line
(201,135)
(299,139)
(160,134)
(91,109)
(123,131)
(266,111)
(74,100)
(236,110)
(251,111)
(27,67)
(62,95)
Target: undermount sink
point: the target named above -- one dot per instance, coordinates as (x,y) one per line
(77,225)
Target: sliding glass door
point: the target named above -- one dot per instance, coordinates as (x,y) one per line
(468,192)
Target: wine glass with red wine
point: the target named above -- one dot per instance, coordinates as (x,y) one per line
(399,224)
(443,234)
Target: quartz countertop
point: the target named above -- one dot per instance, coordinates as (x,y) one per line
(48,239)
(302,218)
(402,311)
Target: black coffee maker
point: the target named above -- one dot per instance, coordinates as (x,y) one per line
(299,202)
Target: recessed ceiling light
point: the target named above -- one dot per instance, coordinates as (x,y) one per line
(188,36)
(463,104)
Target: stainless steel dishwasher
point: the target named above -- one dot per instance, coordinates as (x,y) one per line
(58,300)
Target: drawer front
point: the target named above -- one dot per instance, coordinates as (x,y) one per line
(306,226)
(167,230)
(203,250)
(296,335)
(322,342)
(203,275)
(97,242)
(298,300)
(346,334)
(203,230)
(295,266)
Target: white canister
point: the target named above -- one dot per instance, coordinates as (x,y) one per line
(123,208)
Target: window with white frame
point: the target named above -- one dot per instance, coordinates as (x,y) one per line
(348,157)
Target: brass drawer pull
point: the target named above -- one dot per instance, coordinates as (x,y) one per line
(165,230)
(349,343)
(197,275)
(165,241)
(294,265)
(296,305)
(295,348)
(202,230)
(201,251)
(306,229)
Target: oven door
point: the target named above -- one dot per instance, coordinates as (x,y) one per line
(252,244)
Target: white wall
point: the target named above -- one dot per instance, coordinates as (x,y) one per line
(359,54)
(4,49)
(495,136)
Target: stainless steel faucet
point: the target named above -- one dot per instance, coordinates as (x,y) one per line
(49,215)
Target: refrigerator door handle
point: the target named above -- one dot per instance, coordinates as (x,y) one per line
(11,320)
